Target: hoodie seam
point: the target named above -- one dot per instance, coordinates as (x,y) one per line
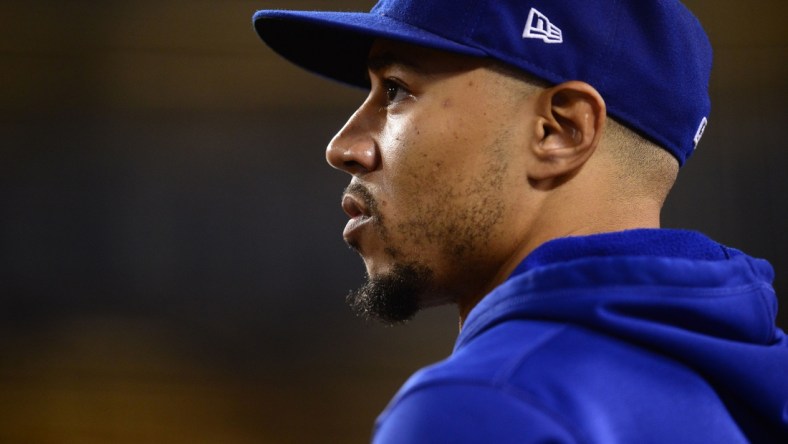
(505,374)
(650,289)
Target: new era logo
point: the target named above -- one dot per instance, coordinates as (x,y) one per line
(700,131)
(538,26)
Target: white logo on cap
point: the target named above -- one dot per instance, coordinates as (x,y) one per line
(538,26)
(700,131)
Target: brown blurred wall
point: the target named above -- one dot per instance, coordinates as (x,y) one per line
(171,263)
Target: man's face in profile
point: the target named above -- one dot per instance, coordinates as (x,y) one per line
(434,159)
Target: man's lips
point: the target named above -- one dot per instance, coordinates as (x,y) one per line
(358,213)
(352,206)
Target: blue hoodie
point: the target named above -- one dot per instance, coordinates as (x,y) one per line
(642,336)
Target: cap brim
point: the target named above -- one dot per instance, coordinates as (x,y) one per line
(336,44)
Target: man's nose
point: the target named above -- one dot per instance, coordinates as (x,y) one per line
(353,149)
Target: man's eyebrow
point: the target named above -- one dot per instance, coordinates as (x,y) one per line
(380,62)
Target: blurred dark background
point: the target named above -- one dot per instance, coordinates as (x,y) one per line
(171,261)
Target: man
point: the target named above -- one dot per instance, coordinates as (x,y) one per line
(512,158)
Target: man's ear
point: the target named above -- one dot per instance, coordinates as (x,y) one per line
(569,123)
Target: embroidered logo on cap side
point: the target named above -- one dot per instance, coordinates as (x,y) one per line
(539,27)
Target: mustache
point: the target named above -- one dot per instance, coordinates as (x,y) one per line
(361,192)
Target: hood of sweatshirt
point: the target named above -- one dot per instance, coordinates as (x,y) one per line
(675,292)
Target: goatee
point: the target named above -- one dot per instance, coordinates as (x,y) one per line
(392,298)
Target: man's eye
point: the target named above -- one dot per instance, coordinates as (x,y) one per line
(395,92)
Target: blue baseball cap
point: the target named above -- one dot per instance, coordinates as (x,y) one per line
(649,59)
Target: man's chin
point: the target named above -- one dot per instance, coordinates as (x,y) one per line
(392,297)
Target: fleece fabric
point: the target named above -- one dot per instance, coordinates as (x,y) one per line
(642,336)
